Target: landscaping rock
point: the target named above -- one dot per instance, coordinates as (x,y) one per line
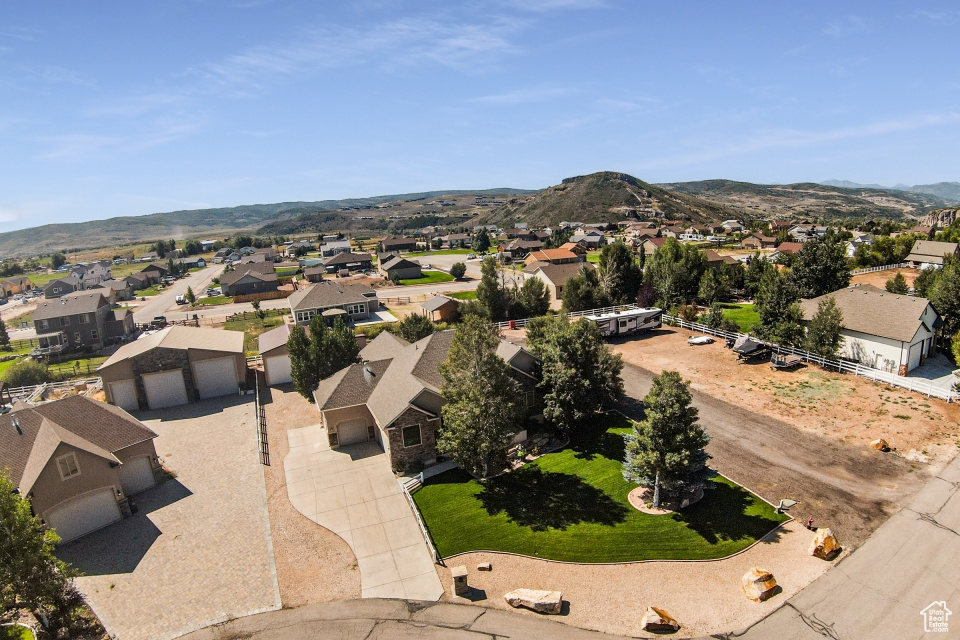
(658,620)
(540,601)
(484,566)
(758,584)
(880,445)
(824,545)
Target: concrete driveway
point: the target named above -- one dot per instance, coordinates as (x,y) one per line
(353,492)
(198,551)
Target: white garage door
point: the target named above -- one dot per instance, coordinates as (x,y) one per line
(916,351)
(84,514)
(278,370)
(124,394)
(165,389)
(216,377)
(352,432)
(136,475)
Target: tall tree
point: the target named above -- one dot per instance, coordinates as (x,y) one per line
(712,287)
(491,294)
(821,266)
(583,291)
(57,260)
(666,449)
(924,282)
(945,297)
(302,370)
(824,336)
(534,297)
(190,296)
(481,240)
(619,274)
(897,284)
(4,336)
(481,408)
(780,315)
(415,326)
(675,270)
(754,273)
(580,375)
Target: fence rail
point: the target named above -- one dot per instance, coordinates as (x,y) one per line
(883,267)
(250,315)
(28,392)
(423,528)
(857,369)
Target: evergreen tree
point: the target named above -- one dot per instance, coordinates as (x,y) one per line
(924,282)
(780,315)
(415,326)
(481,241)
(824,336)
(190,296)
(579,374)
(666,450)
(898,284)
(618,272)
(4,336)
(458,270)
(944,295)
(302,371)
(491,294)
(821,266)
(481,397)
(57,260)
(534,297)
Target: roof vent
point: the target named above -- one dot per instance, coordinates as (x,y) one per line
(16,425)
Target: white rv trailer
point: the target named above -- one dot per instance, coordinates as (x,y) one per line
(628,321)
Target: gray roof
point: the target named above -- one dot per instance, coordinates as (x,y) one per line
(438,301)
(558,274)
(384,346)
(329,293)
(71,280)
(396,262)
(931,252)
(261,270)
(276,337)
(179,338)
(71,304)
(313,271)
(874,312)
(350,386)
(116,285)
(96,427)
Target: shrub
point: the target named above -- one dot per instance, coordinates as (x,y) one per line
(27,374)
(458,270)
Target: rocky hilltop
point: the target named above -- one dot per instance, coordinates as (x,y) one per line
(941,218)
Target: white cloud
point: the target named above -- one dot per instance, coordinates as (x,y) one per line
(531,94)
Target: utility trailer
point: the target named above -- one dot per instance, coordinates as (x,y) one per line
(629,321)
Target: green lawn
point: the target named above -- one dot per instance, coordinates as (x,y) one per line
(441,252)
(287,272)
(572,505)
(429,277)
(462,295)
(76,367)
(594,257)
(213,301)
(15,632)
(743,314)
(150,291)
(252,328)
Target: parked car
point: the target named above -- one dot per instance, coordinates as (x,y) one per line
(181,299)
(471,256)
(160,321)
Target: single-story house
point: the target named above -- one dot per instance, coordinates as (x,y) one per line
(174,366)
(148,257)
(455,240)
(273,350)
(590,240)
(329,249)
(358,300)
(441,308)
(393,397)
(77,461)
(394,243)
(295,248)
(269,253)
(249,277)
(139,281)
(554,256)
(574,247)
(786,249)
(349,261)
(402,268)
(883,330)
(714,259)
(520,248)
(927,254)
(62,286)
(757,241)
(119,289)
(555,276)
(314,274)
(193,262)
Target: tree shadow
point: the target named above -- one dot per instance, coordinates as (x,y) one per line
(531,497)
(721,516)
(595,438)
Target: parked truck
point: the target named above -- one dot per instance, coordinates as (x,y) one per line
(628,321)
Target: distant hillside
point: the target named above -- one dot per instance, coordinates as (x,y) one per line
(191,223)
(604,197)
(846,184)
(949,191)
(811,200)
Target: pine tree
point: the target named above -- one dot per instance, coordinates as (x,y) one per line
(189,296)
(302,370)
(666,450)
(481,241)
(490,292)
(4,336)
(824,336)
(898,284)
(481,406)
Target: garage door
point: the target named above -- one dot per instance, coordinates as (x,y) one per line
(916,350)
(124,394)
(278,370)
(352,432)
(84,514)
(165,389)
(216,377)
(136,475)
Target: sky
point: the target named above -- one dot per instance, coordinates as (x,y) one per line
(129,108)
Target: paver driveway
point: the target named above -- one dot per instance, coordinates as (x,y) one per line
(198,551)
(353,492)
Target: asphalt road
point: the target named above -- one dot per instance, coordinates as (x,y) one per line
(160,304)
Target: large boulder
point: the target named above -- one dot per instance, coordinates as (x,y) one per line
(758,584)
(824,545)
(541,601)
(658,621)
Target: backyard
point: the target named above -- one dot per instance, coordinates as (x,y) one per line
(462,295)
(571,505)
(252,328)
(441,252)
(743,314)
(429,277)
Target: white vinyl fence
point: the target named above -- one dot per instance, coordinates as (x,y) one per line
(883,267)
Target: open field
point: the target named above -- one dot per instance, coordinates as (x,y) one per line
(879,278)
(572,505)
(429,277)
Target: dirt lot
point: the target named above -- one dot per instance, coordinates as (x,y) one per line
(879,278)
(313,564)
(804,434)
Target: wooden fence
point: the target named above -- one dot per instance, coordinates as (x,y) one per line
(267,295)
(251,315)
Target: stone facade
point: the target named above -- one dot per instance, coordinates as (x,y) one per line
(156,360)
(403,457)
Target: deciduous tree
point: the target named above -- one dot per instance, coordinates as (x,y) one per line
(944,295)
(415,326)
(458,270)
(491,294)
(780,315)
(675,270)
(302,371)
(821,266)
(618,273)
(583,291)
(4,336)
(534,297)
(824,336)
(666,451)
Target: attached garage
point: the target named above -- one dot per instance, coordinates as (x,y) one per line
(165,389)
(83,514)
(352,432)
(124,394)
(136,475)
(217,377)
(277,369)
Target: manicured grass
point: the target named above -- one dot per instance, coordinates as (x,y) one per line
(441,252)
(252,328)
(462,295)
(6,365)
(77,367)
(743,314)
(429,277)
(15,632)
(594,257)
(150,291)
(287,272)
(572,505)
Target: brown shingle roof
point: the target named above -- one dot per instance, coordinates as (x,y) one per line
(383,347)
(874,312)
(350,386)
(436,302)
(347,257)
(70,304)
(329,293)
(558,274)
(273,339)
(931,252)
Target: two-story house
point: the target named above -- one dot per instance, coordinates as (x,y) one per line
(80,320)
(62,286)
(92,273)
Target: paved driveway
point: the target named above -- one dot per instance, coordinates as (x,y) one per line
(198,551)
(353,492)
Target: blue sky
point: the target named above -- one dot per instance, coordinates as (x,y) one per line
(117,108)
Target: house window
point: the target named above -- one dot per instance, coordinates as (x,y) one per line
(411,436)
(65,321)
(85,318)
(356,309)
(56,289)
(68,466)
(76,337)
(44,325)
(94,335)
